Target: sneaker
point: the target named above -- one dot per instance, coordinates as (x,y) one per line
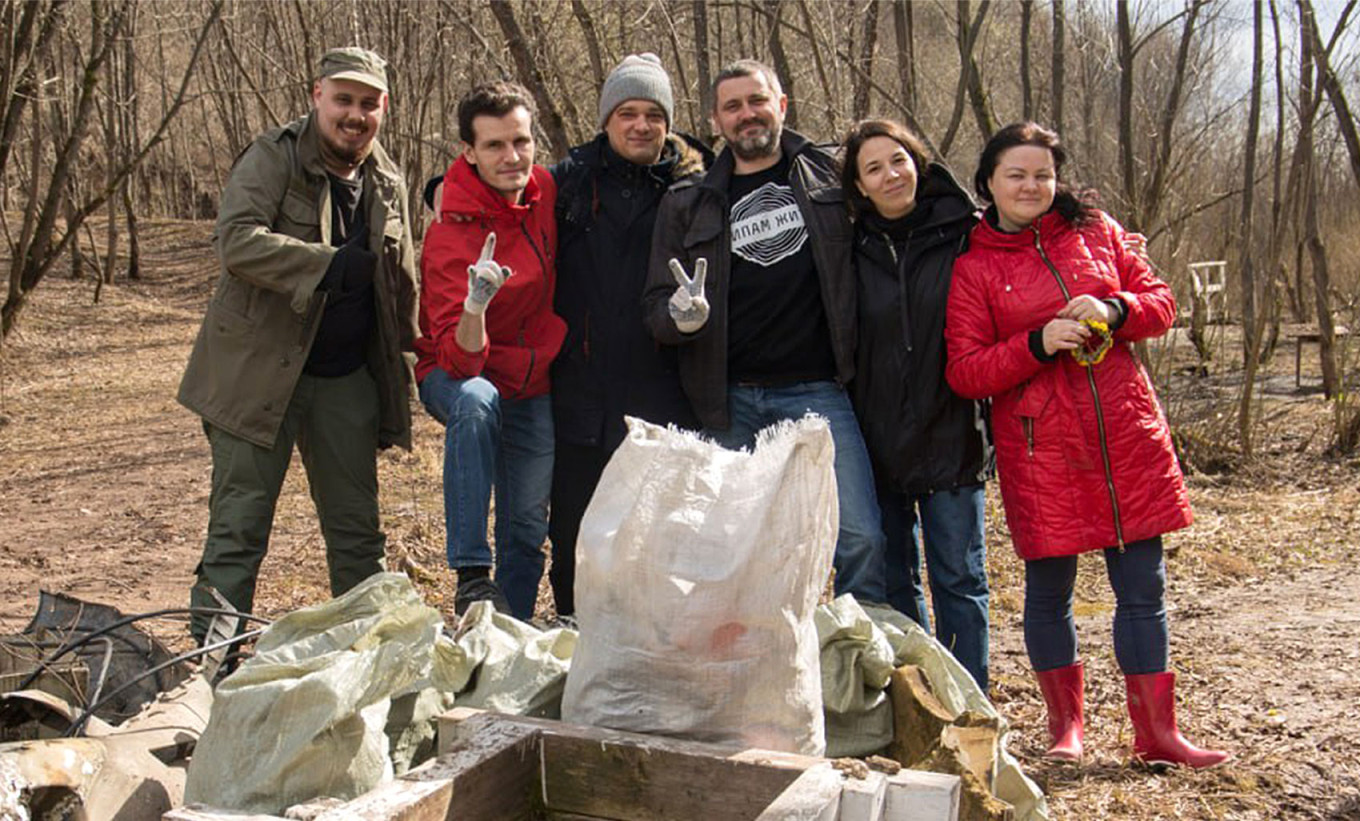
(479,589)
(562,623)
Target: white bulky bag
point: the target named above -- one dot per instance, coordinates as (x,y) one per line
(698,570)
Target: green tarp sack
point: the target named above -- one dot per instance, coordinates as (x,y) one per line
(307,715)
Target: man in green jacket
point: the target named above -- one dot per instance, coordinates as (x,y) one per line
(308,335)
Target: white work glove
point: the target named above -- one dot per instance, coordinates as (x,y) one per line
(688,306)
(485,278)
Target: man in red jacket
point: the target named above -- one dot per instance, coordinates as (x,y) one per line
(487,336)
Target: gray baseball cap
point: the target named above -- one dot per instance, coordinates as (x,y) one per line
(354,63)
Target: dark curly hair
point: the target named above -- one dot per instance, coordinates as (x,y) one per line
(495,99)
(1076,205)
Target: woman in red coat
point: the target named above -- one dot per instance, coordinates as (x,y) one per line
(1043,310)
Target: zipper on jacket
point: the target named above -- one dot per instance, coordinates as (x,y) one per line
(1095,395)
(901,291)
(523,337)
(1028,424)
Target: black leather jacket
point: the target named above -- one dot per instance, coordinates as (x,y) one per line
(694,222)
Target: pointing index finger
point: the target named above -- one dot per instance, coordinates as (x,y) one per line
(488,248)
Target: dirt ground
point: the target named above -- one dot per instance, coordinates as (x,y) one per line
(103,495)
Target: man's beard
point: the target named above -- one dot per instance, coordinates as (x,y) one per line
(342,154)
(758,146)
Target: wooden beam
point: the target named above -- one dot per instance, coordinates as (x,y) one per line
(492,766)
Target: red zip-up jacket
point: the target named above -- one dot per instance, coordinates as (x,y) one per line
(523,334)
(1084,455)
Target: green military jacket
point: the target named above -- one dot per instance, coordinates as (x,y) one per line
(273,238)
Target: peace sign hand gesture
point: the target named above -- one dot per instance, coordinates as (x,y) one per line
(485,278)
(688,306)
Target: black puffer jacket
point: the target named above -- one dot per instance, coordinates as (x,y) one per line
(610,365)
(921,436)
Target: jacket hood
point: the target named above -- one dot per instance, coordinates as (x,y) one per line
(691,155)
(465,193)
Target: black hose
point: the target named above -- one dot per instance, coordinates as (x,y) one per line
(85,714)
(88,637)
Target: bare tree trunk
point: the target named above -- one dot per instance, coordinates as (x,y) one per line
(131,138)
(1026,81)
(111,144)
(822,77)
(547,58)
(1278,278)
(1153,194)
(1312,239)
(582,15)
(679,59)
(906,53)
(1059,62)
(1251,327)
(781,61)
(966,37)
(39,247)
(1125,52)
(1327,78)
(549,117)
(982,113)
(704,124)
(860,106)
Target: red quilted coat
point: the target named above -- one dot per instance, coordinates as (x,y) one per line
(1084,454)
(522,332)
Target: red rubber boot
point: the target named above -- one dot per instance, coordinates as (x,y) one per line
(1152,706)
(1062,689)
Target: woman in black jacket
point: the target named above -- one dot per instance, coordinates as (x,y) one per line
(929,446)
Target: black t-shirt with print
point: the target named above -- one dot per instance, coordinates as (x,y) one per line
(777,332)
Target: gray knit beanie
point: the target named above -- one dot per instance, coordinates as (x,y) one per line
(638,77)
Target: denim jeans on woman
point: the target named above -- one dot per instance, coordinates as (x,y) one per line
(501,443)
(1137,575)
(860,562)
(949,525)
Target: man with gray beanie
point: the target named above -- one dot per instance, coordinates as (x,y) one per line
(608,192)
(307,338)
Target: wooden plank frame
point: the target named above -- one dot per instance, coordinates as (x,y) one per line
(513,768)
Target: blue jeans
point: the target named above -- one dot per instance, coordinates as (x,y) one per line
(860,561)
(949,524)
(506,443)
(1138,577)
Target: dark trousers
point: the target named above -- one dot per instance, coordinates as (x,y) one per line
(576,472)
(334,422)
(1137,576)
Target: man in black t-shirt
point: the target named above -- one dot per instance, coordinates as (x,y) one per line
(765,315)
